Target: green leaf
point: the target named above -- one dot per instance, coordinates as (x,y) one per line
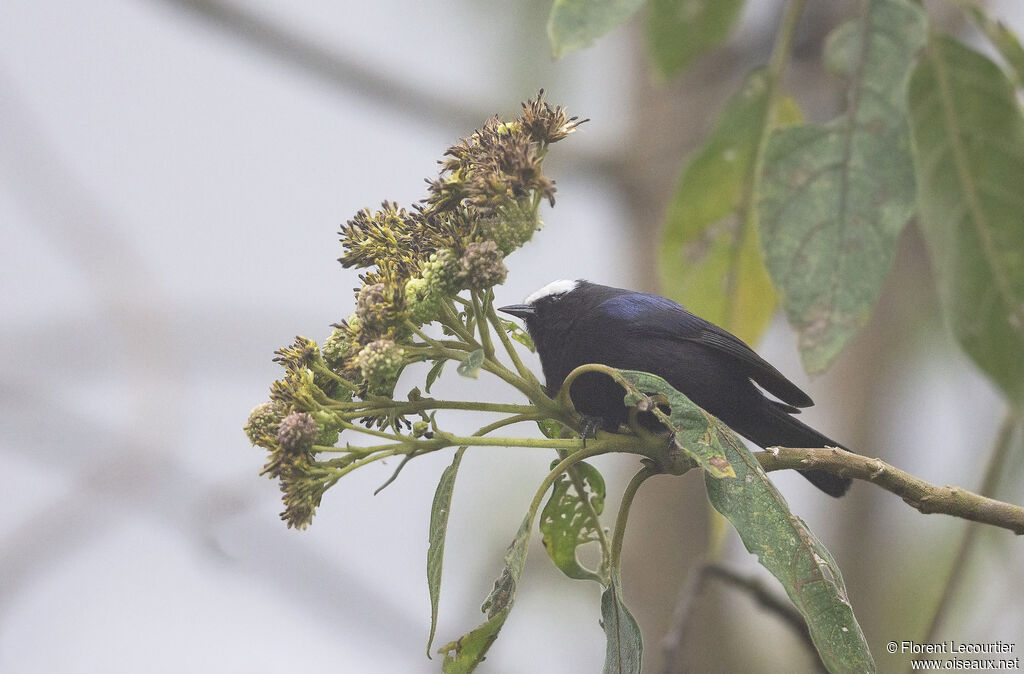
(574,24)
(693,428)
(624,643)
(553,429)
(570,519)
(434,373)
(1001,37)
(470,367)
(835,197)
(787,548)
(710,260)
(439,511)
(516,332)
(680,30)
(467,652)
(969,153)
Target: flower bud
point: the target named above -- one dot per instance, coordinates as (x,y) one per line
(511,227)
(337,347)
(381,363)
(482,266)
(297,433)
(263,422)
(441,273)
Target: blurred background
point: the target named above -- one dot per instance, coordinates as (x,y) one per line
(172,177)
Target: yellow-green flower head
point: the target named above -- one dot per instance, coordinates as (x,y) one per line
(297,433)
(422,304)
(482,265)
(441,272)
(381,362)
(263,421)
(438,280)
(337,347)
(512,226)
(377,309)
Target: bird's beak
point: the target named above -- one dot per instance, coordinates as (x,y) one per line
(518,310)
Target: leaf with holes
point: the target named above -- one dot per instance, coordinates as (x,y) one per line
(835,197)
(570,519)
(969,152)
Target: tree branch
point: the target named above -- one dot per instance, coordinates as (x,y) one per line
(696,581)
(927,498)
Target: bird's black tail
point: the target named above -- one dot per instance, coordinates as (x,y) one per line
(785,431)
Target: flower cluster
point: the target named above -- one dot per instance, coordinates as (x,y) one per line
(481,207)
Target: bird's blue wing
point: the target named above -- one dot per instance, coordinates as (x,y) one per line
(631,306)
(661,316)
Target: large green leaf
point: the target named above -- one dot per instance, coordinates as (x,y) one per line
(969,153)
(680,30)
(574,24)
(467,652)
(835,197)
(439,512)
(710,260)
(624,643)
(787,548)
(570,519)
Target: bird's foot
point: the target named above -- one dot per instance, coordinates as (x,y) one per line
(589,426)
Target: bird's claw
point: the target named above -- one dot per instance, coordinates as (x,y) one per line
(589,426)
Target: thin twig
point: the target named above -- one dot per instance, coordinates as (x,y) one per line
(524,372)
(627,502)
(696,582)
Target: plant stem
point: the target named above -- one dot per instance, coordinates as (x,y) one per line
(507,421)
(342,472)
(421,405)
(482,325)
(436,343)
(781,50)
(524,372)
(451,321)
(783,45)
(620,521)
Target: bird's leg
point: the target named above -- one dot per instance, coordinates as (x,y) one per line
(589,426)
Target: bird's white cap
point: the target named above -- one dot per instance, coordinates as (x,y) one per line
(559,287)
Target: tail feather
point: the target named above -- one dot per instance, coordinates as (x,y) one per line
(785,431)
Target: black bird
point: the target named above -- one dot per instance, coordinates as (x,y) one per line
(574,323)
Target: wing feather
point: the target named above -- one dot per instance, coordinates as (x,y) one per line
(653,314)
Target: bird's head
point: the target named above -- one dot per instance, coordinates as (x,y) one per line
(549,309)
